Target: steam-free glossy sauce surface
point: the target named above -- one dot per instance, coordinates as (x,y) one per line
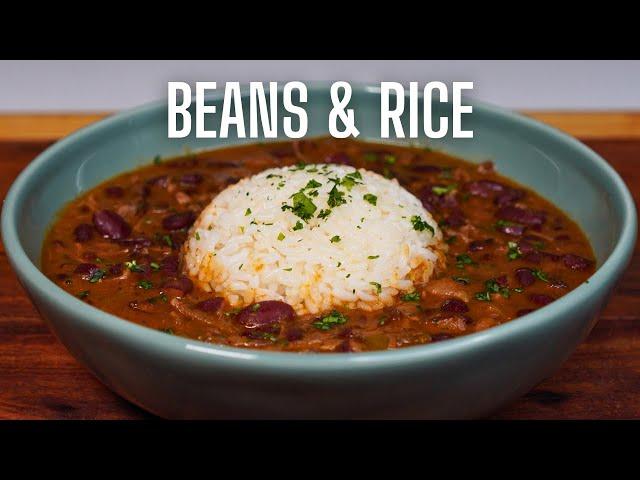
(117,247)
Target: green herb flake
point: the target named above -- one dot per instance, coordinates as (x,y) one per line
(420,225)
(411,297)
(377,286)
(464,260)
(327,322)
(157,160)
(83,294)
(154,266)
(287,269)
(145,284)
(540,275)
(483,296)
(197,235)
(372,199)
(247,212)
(373,257)
(312,184)
(440,191)
(281,236)
(461,280)
(168,331)
(336,197)
(298,226)
(303,207)
(133,266)
(335,239)
(97,275)
(324,213)
(513,251)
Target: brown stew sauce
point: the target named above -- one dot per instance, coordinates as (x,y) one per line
(510,251)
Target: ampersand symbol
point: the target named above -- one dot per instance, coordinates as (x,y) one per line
(338,110)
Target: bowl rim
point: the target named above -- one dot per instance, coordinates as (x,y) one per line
(262,361)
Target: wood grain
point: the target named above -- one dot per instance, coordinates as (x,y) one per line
(39,379)
(586,125)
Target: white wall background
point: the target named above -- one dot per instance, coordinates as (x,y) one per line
(113,85)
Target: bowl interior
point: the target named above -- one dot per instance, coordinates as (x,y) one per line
(524,150)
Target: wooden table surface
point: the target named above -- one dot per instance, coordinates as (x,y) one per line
(40,380)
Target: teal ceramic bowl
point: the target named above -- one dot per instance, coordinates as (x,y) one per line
(467,377)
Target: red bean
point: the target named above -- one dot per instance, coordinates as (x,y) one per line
(339,158)
(191,179)
(502,281)
(294,334)
(184,284)
(524,311)
(111,225)
(575,262)
(263,314)
(509,196)
(83,232)
(525,277)
(478,245)
(484,188)
(211,305)
(116,269)
(514,230)
(169,265)
(521,215)
(178,221)
(162,181)
(86,270)
(453,305)
(540,299)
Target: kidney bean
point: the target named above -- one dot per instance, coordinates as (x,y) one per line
(83,232)
(514,230)
(140,242)
(263,314)
(339,158)
(478,245)
(502,280)
(86,270)
(191,179)
(532,257)
(184,284)
(525,277)
(210,305)
(484,188)
(111,225)
(178,221)
(456,219)
(575,262)
(550,256)
(162,181)
(114,192)
(524,311)
(540,299)
(169,265)
(508,197)
(453,305)
(521,215)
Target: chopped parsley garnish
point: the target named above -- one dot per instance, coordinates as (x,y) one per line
(540,275)
(438,190)
(255,307)
(154,266)
(197,235)
(411,297)
(133,266)
(390,159)
(372,199)
(377,286)
(370,157)
(420,225)
(281,236)
(514,251)
(483,296)
(247,212)
(167,240)
(273,175)
(233,311)
(299,166)
(464,260)
(373,257)
(303,207)
(351,179)
(287,269)
(462,280)
(97,275)
(451,240)
(145,284)
(168,331)
(336,197)
(329,321)
(335,239)
(312,184)
(324,213)
(83,294)
(298,226)
(157,160)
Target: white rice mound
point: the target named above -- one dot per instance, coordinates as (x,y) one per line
(244,247)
